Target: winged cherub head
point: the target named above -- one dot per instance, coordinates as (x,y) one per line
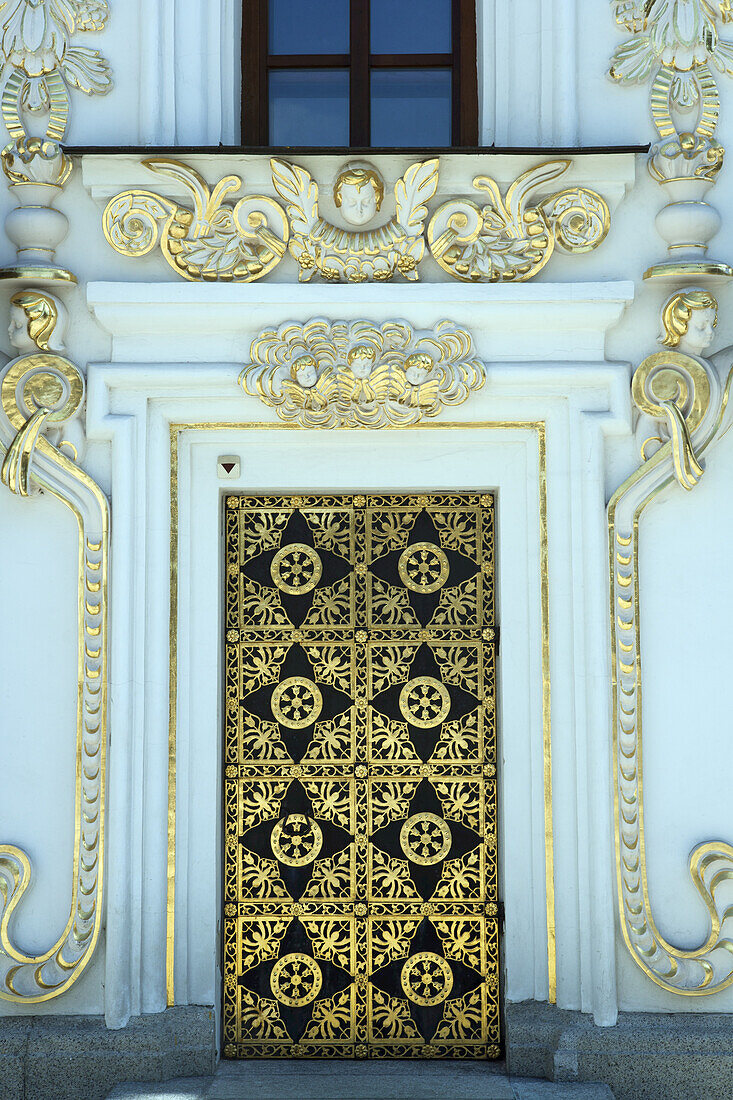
(417,368)
(358,193)
(361,359)
(304,371)
(688,319)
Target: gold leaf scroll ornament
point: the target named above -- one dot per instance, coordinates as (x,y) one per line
(39,391)
(684,396)
(214,241)
(367,255)
(510,240)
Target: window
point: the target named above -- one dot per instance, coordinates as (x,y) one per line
(380,73)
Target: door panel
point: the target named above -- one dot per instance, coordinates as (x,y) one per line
(360,881)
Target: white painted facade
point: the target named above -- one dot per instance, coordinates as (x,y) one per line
(559,351)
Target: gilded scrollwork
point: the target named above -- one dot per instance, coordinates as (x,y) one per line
(359,375)
(41,394)
(681,393)
(363,255)
(214,241)
(512,237)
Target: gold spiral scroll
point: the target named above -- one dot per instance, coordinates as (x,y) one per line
(37,391)
(678,389)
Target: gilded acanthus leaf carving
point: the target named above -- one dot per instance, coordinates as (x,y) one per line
(362,255)
(512,237)
(44,63)
(359,375)
(213,241)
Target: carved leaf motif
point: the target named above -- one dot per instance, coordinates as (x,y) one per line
(391,1018)
(391,940)
(461,940)
(463,1018)
(391,606)
(261,941)
(87,70)
(461,878)
(331,740)
(331,877)
(331,800)
(331,531)
(296,186)
(263,741)
(459,740)
(390,665)
(261,800)
(260,666)
(332,665)
(390,531)
(331,605)
(458,665)
(261,606)
(390,740)
(391,878)
(331,1018)
(260,1018)
(457,604)
(261,877)
(458,531)
(262,531)
(391,800)
(461,801)
(412,193)
(331,940)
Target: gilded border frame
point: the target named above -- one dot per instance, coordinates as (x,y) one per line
(538,426)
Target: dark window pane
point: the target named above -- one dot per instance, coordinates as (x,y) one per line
(309,26)
(411,26)
(309,107)
(411,107)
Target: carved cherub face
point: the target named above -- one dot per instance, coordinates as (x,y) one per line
(18,331)
(361,360)
(700,331)
(305,371)
(358,194)
(417,368)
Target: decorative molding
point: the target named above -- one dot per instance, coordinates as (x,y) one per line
(359,375)
(509,240)
(367,254)
(682,394)
(35,41)
(39,392)
(676,45)
(213,241)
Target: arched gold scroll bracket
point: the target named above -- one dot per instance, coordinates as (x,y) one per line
(36,392)
(681,393)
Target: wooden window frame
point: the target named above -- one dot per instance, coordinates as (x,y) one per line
(257,63)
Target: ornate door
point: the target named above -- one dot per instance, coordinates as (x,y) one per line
(360,878)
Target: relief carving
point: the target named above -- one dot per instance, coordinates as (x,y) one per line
(368,254)
(359,375)
(41,394)
(680,393)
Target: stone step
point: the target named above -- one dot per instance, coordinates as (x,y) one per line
(359,1081)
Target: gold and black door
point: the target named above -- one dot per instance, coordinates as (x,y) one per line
(360,878)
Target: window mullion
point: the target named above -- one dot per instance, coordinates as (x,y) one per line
(360,97)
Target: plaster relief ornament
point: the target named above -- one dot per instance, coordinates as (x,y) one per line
(677,45)
(684,395)
(366,255)
(512,238)
(35,39)
(41,396)
(359,375)
(213,241)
